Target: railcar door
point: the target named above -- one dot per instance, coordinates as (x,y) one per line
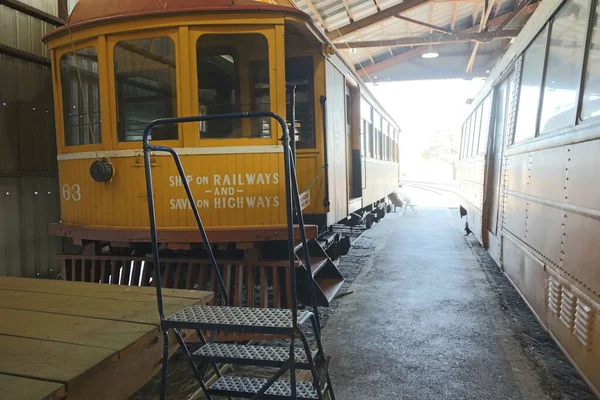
(497,146)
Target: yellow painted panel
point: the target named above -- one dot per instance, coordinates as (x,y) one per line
(229,190)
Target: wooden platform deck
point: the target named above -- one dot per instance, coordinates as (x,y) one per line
(81,340)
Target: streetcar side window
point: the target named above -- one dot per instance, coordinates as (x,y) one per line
(299,72)
(146,87)
(564,66)
(476,130)
(486,109)
(384,144)
(531,82)
(377,134)
(367,121)
(81,97)
(591,94)
(233,76)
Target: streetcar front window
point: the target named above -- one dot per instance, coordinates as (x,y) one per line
(233,76)
(299,72)
(146,87)
(81,97)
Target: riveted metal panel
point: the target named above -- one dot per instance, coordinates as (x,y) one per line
(527,273)
(516,210)
(543,231)
(517,172)
(547,172)
(583,167)
(581,250)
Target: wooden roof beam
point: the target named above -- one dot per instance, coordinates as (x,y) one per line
(459,37)
(312,7)
(482,25)
(407,56)
(425,24)
(377,17)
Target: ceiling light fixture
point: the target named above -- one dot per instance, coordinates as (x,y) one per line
(430,53)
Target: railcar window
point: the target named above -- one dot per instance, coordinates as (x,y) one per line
(377,134)
(531,81)
(462,142)
(299,71)
(367,118)
(591,94)
(384,136)
(471,135)
(476,130)
(145,87)
(81,97)
(233,76)
(486,112)
(565,62)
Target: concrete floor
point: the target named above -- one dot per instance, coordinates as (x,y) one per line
(423,321)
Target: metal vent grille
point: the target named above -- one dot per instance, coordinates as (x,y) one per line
(567,309)
(584,322)
(554,296)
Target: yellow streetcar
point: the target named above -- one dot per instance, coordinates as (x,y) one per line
(117,65)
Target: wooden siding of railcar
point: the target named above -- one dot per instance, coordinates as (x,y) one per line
(381,176)
(552,215)
(336,144)
(382,179)
(122,201)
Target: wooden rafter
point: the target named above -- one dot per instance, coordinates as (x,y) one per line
(525,8)
(454,15)
(458,37)
(312,7)
(385,36)
(377,17)
(430,18)
(367,50)
(494,28)
(428,25)
(407,56)
(476,8)
(484,18)
(347,7)
(498,7)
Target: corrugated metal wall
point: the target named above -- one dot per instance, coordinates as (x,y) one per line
(28,179)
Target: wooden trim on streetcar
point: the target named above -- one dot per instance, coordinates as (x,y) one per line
(190,235)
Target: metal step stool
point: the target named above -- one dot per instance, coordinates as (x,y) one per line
(265,321)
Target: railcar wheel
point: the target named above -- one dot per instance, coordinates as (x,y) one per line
(369,221)
(380,213)
(388,208)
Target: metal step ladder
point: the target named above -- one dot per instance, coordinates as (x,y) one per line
(327,278)
(268,321)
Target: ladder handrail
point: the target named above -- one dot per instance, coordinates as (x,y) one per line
(148,148)
(304,241)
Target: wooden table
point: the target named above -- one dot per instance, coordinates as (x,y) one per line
(81,340)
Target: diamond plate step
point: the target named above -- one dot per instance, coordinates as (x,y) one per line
(236,319)
(267,356)
(237,386)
